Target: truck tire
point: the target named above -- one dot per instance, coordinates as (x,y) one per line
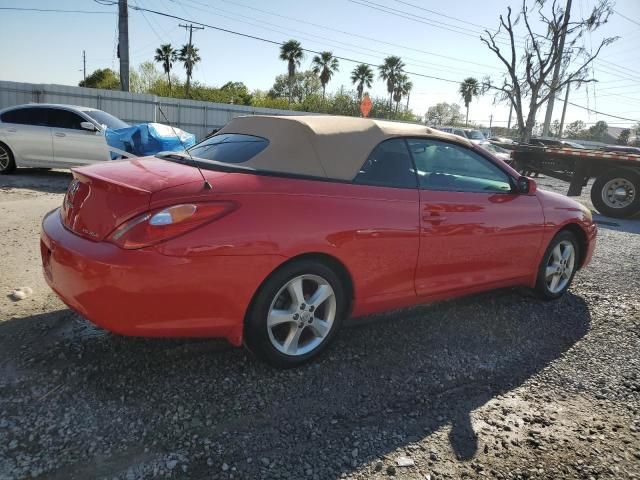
(616,193)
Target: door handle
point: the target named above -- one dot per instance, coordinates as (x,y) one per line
(60,134)
(434,217)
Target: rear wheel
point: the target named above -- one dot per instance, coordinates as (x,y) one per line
(617,193)
(558,266)
(295,314)
(7,162)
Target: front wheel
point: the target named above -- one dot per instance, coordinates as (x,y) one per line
(295,314)
(617,193)
(558,266)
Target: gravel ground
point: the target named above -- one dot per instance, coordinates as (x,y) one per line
(497,385)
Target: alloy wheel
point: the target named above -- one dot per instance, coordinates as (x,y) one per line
(5,160)
(301,315)
(560,266)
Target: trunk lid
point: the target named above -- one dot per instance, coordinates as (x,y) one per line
(102,196)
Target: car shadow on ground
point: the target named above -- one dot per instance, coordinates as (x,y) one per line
(38,179)
(386,383)
(627,225)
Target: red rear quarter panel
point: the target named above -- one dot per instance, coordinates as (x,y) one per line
(372,231)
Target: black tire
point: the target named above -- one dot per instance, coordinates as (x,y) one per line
(542,288)
(599,190)
(257,336)
(9,166)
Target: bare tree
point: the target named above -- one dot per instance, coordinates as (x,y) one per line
(530,62)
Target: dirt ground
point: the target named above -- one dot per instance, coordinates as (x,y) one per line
(497,385)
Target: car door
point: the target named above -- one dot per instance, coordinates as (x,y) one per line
(28,134)
(475,231)
(382,227)
(72,144)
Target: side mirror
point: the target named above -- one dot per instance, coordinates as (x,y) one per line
(526,186)
(88,126)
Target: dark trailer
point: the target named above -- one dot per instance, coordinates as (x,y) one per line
(616,190)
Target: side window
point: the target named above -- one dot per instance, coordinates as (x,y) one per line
(388,165)
(446,166)
(26,116)
(459,132)
(59,118)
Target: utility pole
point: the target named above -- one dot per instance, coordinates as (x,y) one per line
(490,122)
(123,44)
(84,66)
(564,110)
(556,70)
(189,27)
(509,121)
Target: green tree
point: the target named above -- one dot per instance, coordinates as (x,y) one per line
(238,92)
(189,57)
(362,76)
(469,88)
(598,132)
(402,88)
(166,55)
(389,71)
(304,85)
(292,53)
(575,129)
(443,114)
(145,79)
(102,78)
(324,65)
(623,138)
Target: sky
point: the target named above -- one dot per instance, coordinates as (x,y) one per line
(432,38)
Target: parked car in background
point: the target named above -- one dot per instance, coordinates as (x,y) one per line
(476,136)
(63,136)
(502,153)
(292,224)
(621,149)
(554,142)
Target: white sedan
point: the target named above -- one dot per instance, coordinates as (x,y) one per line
(63,136)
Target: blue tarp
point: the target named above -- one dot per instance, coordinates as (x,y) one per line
(148,139)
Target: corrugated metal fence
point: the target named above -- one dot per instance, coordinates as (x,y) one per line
(196,117)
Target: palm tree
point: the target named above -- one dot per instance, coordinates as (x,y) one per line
(189,56)
(389,71)
(324,65)
(166,55)
(292,53)
(363,76)
(403,87)
(469,88)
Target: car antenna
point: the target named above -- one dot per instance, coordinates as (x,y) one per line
(207,185)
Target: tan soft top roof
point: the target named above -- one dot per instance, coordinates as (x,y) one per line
(323,145)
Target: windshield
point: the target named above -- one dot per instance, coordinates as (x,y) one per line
(475,135)
(104,118)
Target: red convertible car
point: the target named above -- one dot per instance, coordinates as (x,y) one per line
(276,229)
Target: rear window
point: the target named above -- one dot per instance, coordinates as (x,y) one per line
(229,148)
(26,116)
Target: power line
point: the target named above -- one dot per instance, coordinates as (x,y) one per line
(627,18)
(350,34)
(274,42)
(305,36)
(55,10)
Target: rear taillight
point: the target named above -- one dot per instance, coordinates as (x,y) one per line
(159,225)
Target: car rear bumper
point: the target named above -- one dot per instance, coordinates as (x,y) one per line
(145,293)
